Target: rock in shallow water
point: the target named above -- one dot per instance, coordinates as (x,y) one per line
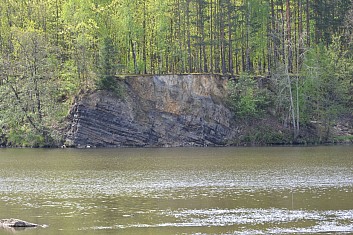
(16,223)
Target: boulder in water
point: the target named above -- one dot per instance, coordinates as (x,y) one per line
(16,223)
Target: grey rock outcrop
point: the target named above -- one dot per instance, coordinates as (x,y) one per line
(156,111)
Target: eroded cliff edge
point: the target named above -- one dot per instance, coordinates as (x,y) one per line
(155,111)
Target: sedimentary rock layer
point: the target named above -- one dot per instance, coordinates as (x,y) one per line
(155,111)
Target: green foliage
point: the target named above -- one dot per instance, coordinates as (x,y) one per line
(52,50)
(68,80)
(245,98)
(325,87)
(107,67)
(170,36)
(263,134)
(25,137)
(343,139)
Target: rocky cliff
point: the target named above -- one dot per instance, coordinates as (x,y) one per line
(155,111)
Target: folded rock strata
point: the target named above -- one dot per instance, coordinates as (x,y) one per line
(155,111)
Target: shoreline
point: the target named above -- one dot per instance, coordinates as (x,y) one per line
(243,145)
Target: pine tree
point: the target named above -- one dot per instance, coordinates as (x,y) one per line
(107,67)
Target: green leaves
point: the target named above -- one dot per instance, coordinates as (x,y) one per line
(246,99)
(325,88)
(52,50)
(107,67)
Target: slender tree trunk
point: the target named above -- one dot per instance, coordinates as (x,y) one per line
(203,44)
(292,108)
(35,80)
(144,56)
(181,64)
(270,47)
(171,49)
(133,54)
(230,45)
(300,30)
(199,33)
(300,51)
(308,39)
(289,37)
(39,103)
(289,83)
(274,31)
(57,22)
(188,36)
(211,36)
(152,69)
(205,68)
(247,52)
(222,38)
(217,37)
(283,32)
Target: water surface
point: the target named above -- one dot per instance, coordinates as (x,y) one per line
(282,190)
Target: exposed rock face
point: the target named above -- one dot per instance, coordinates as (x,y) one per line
(156,111)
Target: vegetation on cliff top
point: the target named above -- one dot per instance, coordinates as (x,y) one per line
(52,50)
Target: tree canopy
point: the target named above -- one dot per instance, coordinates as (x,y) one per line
(50,49)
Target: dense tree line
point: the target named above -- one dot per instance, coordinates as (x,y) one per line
(50,49)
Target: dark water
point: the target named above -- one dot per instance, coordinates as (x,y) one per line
(283,190)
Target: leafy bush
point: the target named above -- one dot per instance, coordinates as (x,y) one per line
(325,88)
(245,98)
(24,136)
(263,134)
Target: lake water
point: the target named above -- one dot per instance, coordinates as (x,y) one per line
(280,190)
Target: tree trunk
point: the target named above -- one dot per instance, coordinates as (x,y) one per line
(289,37)
(308,23)
(222,40)
(144,57)
(190,67)
(230,45)
(211,36)
(133,49)
(247,51)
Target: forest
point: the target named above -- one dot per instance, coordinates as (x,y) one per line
(53,50)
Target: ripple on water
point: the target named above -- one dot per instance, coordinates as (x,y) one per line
(243,195)
(245,221)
